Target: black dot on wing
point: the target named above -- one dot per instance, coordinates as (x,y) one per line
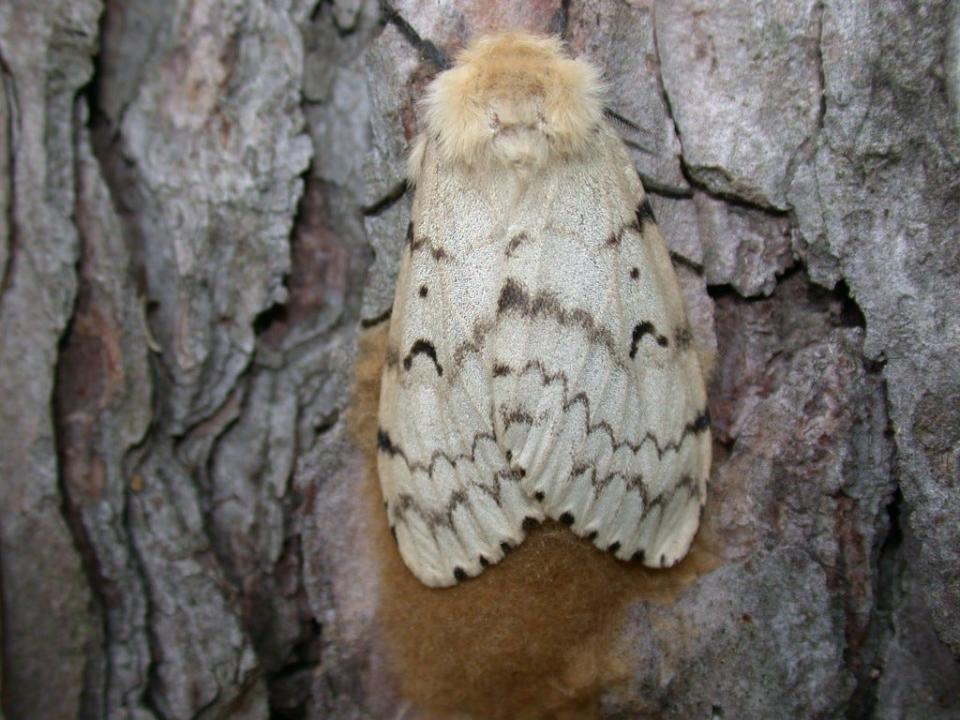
(483,561)
(567,518)
(638,556)
(614,547)
(644,213)
(702,422)
(634,273)
(459,574)
(384,442)
(663,561)
(423,291)
(592,536)
(509,455)
(539,495)
(529,523)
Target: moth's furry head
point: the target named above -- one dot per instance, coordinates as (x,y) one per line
(515,98)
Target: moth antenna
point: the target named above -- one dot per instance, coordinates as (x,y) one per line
(428,51)
(619,119)
(560,22)
(614,115)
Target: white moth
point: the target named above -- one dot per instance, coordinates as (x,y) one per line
(539,362)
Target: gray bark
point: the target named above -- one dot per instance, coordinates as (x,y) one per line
(201,200)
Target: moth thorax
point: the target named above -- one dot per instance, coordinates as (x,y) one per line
(518,132)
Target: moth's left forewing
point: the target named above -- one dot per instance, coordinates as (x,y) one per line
(451,501)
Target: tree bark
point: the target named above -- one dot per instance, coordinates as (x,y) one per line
(202,203)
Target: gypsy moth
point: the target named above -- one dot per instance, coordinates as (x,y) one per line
(539,362)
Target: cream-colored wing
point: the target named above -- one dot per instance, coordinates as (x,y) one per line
(453,502)
(599,397)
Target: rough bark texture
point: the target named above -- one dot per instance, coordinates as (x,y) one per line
(201,200)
